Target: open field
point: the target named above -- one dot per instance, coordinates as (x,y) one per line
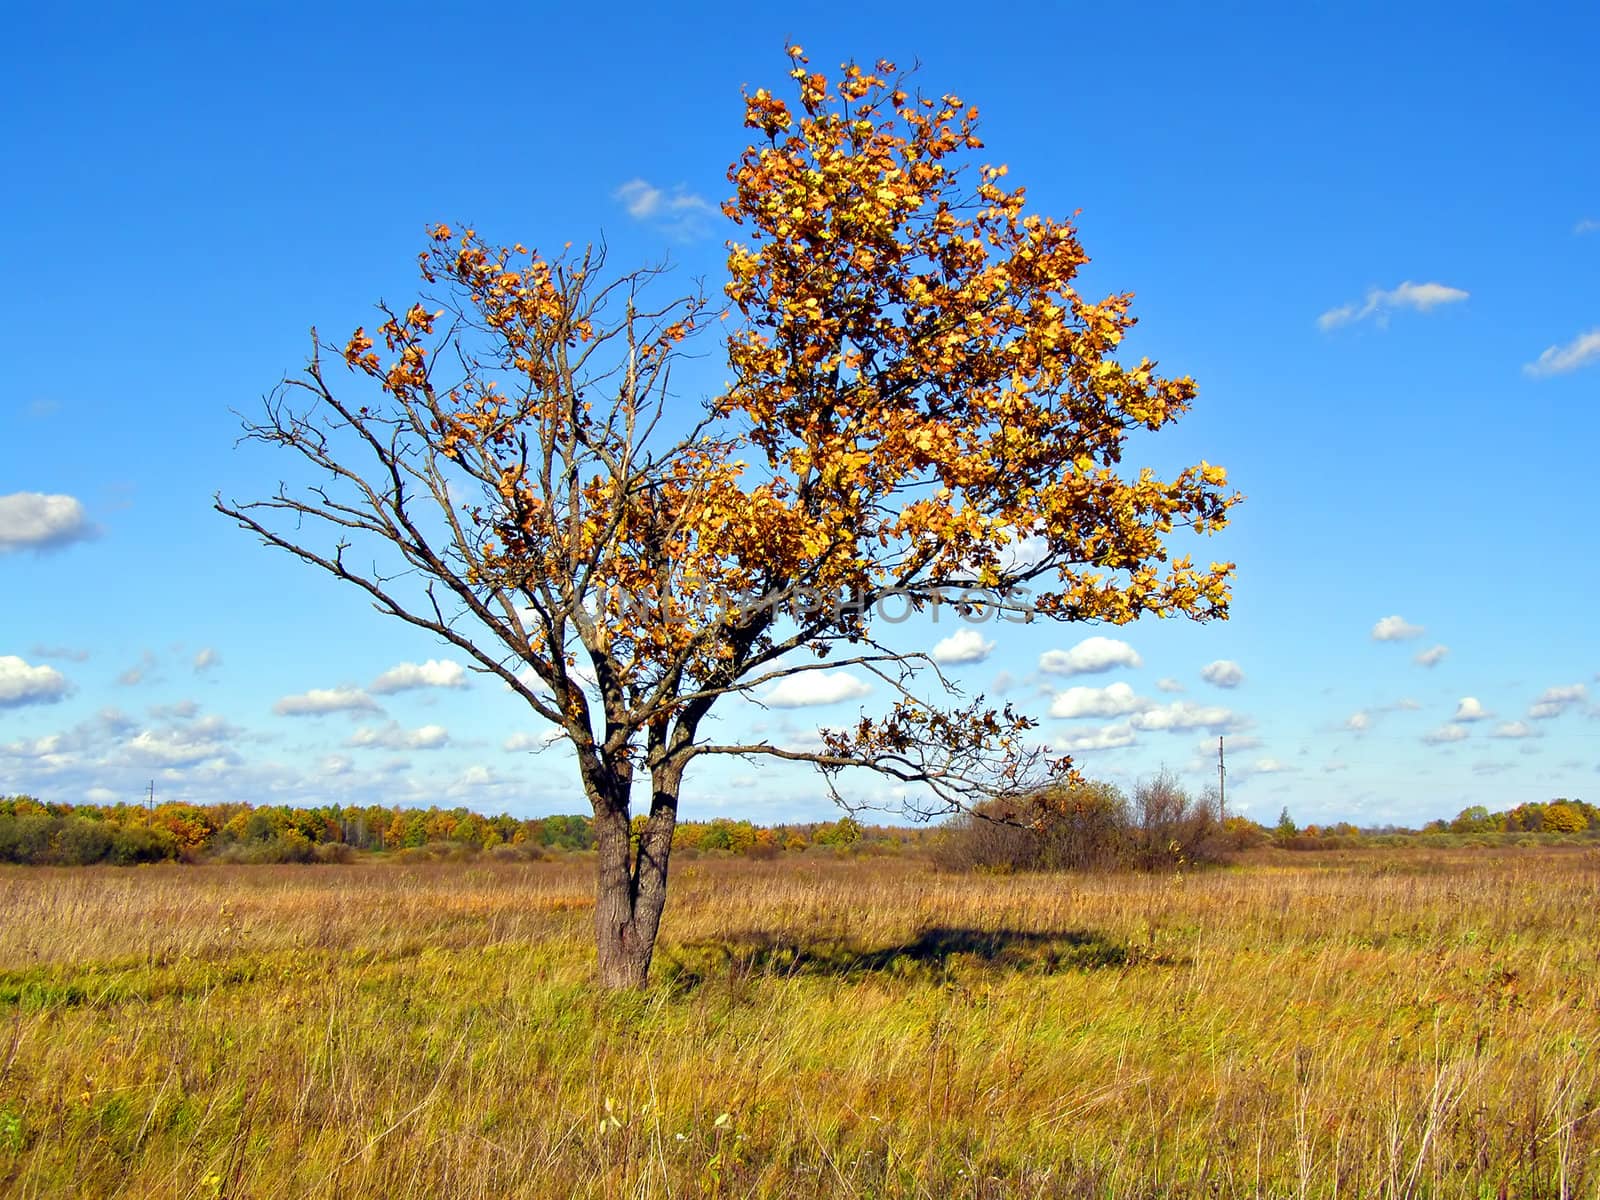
(1358,1024)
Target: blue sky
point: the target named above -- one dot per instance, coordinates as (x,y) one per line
(1373,237)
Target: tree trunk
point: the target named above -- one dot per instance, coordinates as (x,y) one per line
(631,885)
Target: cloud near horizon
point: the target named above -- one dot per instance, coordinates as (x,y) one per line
(1107,737)
(1182,715)
(393,737)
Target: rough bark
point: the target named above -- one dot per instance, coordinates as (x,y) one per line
(631,883)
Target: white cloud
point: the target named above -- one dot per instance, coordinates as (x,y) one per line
(52,746)
(1182,714)
(140,670)
(1266,766)
(206,659)
(1552,702)
(210,739)
(815,688)
(336,764)
(1358,722)
(1470,710)
(428,737)
(1395,629)
(531,681)
(1107,737)
(35,521)
(1582,351)
(170,748)
(1406,704)
(1380,303)
(804,741)
(23,683)
(114,721)
(1207,750)
(520,742)
(676,209)
(1116,700)
(1168,684)
(406,676)
(325,700)
(1091,656)
(1432,656)
(963,646)
(1224,673)
(67,653)
(1514,729)
(1587,225)
(1444,734)
(645,200)
(392,737)
(1024,554)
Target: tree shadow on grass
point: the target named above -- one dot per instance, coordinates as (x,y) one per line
(937,952)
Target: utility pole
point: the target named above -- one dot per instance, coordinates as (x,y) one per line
(150,801)
(1222,784)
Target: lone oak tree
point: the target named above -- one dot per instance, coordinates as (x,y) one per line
(921,407)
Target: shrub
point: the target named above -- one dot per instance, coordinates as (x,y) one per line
(290,847)
(78,842)
(26,839)
(1088,826)
(1172,828)
(140,844)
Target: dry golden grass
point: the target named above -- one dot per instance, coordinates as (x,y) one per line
(1387,1024)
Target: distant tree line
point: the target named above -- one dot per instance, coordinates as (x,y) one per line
(1558,816)
(1088,826)
(1555,820)
(35,832)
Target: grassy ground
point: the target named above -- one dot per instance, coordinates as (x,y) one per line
(1387,1024)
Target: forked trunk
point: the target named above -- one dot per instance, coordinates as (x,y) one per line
(631,884)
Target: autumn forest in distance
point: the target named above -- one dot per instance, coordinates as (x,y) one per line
(39,833)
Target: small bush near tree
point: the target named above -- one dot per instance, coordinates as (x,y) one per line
(1089,826)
